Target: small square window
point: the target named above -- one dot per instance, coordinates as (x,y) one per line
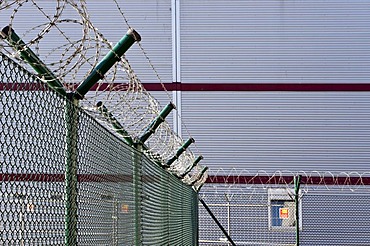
(282,210)
(282,213)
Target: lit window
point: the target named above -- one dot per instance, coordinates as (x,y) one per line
(281,210)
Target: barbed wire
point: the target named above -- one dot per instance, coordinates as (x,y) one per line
(70,45)
(233,181)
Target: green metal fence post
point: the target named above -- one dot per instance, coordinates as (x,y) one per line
(195,217)
(297,184)
(137,182)
(71,182)
(137,167)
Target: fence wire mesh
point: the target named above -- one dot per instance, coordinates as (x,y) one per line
(264,214)
(63,184)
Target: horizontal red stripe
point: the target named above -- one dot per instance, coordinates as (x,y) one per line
(121,178)
(37,177)
(47,177)
(313,180)
(274,87)
(178,86)
(23,87)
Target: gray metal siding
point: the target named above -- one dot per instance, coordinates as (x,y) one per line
(330,222)
(317,131)
(269,41)
(152,19)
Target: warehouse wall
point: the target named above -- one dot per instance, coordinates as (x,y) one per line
(273,41)
(202,44)
(242,43)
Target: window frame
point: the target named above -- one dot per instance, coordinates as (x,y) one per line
(287,195)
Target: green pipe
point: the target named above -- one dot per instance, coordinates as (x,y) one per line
(180,151)
(190,167)
(108,61)
(297,184)
(32,59)
(115,124)
(156,122)
(200,175)
(71,182)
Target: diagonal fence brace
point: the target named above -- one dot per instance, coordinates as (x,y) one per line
(216,221)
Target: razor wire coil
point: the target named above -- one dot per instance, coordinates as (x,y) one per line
(72,58)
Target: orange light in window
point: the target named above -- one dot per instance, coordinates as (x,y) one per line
(283,213)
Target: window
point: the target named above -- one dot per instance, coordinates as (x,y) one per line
(282,209)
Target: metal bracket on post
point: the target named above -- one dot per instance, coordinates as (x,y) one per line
(181,150)
(32,59)
(199,176)
(188,170)
(156,122)
(108,61)
(114,122)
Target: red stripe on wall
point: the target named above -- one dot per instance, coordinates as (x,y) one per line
(117,178)
(22,87)
(288,180)
(48,177)
(204,87)
(274,87)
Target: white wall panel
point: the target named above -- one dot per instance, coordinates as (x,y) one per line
(325,131)
(275,41)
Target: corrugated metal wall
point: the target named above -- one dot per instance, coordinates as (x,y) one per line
(281,130)
(277,42)
(252,41)
(269,41)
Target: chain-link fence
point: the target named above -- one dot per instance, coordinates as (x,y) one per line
(65,179)
(265,214)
